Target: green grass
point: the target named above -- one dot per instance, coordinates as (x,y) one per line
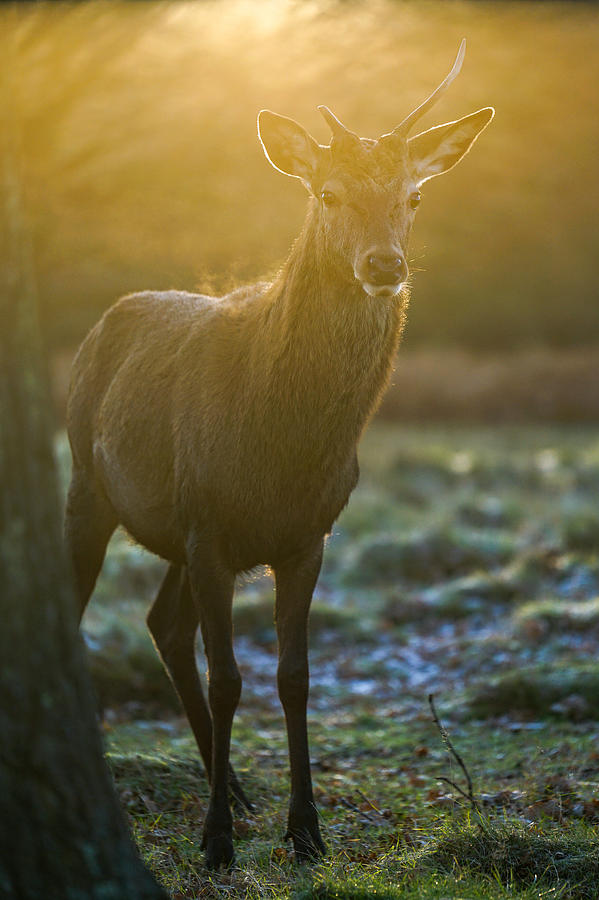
(392,828)
(570,691)
(457,570)
(559,615)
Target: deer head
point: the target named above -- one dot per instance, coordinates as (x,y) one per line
(365,192)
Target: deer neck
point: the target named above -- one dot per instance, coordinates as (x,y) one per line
(331,346)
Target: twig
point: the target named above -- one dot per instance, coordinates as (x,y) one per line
(468,795)
(369,802)
(455,786)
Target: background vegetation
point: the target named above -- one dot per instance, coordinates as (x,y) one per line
(466,565)
(143,169)
(467,562)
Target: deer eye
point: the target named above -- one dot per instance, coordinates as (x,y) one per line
(415,199)
(329,198)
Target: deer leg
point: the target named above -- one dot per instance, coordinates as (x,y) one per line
(212,589)
(89,523)
(295,582)
(173,622)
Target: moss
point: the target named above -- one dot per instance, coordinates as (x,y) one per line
(129,572)
(254,618)
(472,593)
(531,569)
(558,616)
(571,693)
(427,556)
(580,530)
(419,479)
(587,477)
(488,511)
(453,599)
(122,659)
(517,857)
(123,673)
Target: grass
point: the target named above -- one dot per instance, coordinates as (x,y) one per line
(391,827)
(572,691)
(467,562)
(479,594)
(556,615)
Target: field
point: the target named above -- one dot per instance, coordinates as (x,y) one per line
(465,566)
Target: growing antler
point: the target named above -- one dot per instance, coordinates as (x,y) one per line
(341,134)
(403,129)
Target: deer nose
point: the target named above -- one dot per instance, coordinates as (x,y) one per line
(386,268)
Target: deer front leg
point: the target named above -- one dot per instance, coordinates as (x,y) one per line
(295,582)
(212,589)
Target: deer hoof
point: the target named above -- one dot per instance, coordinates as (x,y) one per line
(219,851)
(307,843)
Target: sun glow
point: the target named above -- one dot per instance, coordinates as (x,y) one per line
(141,163)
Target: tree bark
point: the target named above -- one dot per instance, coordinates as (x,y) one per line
(62,833)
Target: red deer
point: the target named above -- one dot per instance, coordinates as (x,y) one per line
(222,432)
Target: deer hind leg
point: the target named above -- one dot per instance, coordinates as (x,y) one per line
(89,523)
(212,589)
(295,582)
(173,622)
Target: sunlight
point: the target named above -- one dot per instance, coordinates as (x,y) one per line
(143,167)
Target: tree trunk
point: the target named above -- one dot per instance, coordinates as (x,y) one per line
(62,833)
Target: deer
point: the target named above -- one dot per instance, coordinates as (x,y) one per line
(222,432)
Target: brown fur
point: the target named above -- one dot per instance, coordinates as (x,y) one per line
(222,433)
(284,390)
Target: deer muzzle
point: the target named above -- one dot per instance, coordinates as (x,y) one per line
(382,274)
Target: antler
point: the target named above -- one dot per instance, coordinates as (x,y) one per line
(341,134)
(403,129)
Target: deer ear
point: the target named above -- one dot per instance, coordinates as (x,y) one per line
(288,147)
(437,150)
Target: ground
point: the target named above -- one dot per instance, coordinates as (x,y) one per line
(466,566)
